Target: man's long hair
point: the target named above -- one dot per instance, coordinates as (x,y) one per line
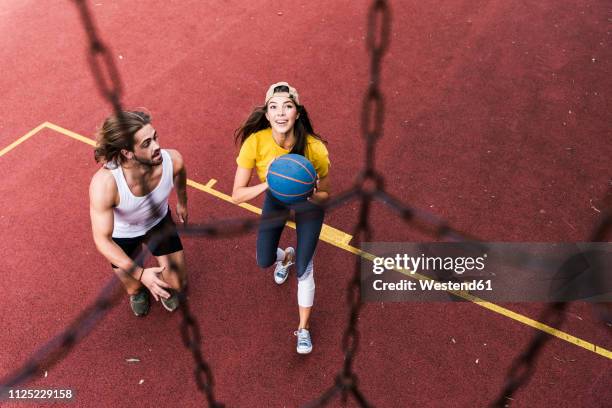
(117,133)
(257,121)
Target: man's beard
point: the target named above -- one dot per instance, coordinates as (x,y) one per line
(148,162)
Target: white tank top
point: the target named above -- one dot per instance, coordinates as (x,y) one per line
(134,216)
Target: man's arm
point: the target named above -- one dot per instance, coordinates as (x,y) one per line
(102,195)
(180,184)
(102,198)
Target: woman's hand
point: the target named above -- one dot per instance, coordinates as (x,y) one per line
(320,195)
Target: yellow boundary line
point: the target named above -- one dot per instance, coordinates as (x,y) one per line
(328,234)
(70,133)
(341,240)
(22,139)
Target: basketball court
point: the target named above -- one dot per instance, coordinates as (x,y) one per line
(496,120)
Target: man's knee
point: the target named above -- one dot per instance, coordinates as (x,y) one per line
(174,260)
(131,284)
(174,272)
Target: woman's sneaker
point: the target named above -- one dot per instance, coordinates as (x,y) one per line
(282,267)
(139,302)
(304,343)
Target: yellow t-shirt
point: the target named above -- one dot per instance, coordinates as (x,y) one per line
(260,148)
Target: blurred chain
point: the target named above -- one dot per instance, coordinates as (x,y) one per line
(346,381)
(60,346)
(101,61)
(369,187)
(372,113)
(109,83)
(190,332)
(368,183)
(523,367)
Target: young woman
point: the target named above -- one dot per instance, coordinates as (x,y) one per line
(279,127)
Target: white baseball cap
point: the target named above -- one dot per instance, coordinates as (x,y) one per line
(293,94)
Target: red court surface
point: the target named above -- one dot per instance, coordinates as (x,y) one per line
(497,119)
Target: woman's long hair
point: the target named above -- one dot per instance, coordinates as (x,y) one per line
(117,134)
(257,121)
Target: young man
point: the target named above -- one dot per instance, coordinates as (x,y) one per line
(129,207)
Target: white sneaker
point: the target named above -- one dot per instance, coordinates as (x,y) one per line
(282,270)
(304,343)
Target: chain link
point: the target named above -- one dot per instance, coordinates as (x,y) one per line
(368,183)
(101,61)
(60,346)
(109,83)
(190,333)
(523,367)
(372,113)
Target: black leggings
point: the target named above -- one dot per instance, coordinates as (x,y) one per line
(308,219)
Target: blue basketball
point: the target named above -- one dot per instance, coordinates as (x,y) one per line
(291,178)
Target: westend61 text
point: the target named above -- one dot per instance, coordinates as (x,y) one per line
(433,285)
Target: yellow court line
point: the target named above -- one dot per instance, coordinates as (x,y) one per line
(341,240)
(70,133)
(22,139)
(207,188)
(507,312)
(499,309)
(328,234)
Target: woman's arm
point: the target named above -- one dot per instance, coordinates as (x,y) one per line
(241,191)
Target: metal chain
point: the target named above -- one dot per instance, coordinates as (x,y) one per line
(346,381)
(101,61)
(109,83)
(368,183)
(523,367)
(190,333)
(60,346)
(372,113)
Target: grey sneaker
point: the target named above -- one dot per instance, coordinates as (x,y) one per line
(304,344)
(282,270)
(172,303)
(139,302)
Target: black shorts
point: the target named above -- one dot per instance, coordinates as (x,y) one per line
(162,239)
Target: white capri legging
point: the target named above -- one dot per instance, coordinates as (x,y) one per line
(306,287)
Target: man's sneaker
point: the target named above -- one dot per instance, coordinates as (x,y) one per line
(139,302)
(304,344)
(282,269)
(172,303)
